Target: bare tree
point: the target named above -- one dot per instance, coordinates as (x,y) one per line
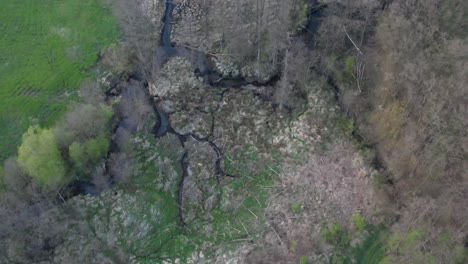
(14,177)
(120,167)
(134,107)
(140,24)
(91,92)
(294,75)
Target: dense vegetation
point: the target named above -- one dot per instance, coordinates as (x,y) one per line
(401,77)
(261,131)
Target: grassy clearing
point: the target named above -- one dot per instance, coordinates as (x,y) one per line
(45,48)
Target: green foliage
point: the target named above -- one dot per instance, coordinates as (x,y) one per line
(339,259)
(405,242)
(454,21)
(407,245)
(461,255)
(85,155)
(369,244)
(296,207)
(46,48)
(299,19)
(294,244)
(39,156)
(303,260)
(81,123)
(2,178)
(335,235)
(359,222)
(373,249)
(77,152)
(107,112)
(349,65)
(346,125)
(117,60)
(96,148)
(323,147)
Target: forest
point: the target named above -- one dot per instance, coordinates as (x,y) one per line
(248,131)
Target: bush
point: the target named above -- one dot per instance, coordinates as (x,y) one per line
(77,151)
(359,222)
(303,260)
(117,60)
(349,66)
(336,235)
(84,156)
(96,148)
(81,123)
(346,125)
(296,207)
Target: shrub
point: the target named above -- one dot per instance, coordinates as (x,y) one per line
(96,148)
(84,156)
(116,59)
(359,222)
(77,151)
(335,235)
(296,207)
(303,260)
(349,66)
(346,125)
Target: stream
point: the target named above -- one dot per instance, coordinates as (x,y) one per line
(205,69)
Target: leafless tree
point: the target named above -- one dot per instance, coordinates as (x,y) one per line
(120,167)
(91,92)
(134,107)
(14,177)
(141,28)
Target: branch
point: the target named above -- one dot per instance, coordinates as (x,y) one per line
(358,49)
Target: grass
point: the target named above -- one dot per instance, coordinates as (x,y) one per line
(373,249)
(46,48)
(349,66)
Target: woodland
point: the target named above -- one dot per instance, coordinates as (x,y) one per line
(247,131)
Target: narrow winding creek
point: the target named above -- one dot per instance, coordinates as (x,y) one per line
(203,68)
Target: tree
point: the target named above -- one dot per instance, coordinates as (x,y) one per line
(14,177)
(120,166)
(91,92)
(85,156)
(39,156)
(141,27)
(295,75)
(76,152)
(82,122)
(134,107)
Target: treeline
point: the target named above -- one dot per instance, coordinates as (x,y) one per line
(248,38)
(87,151)
(400,70)
(72,149)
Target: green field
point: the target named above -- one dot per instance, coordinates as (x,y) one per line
(46,49)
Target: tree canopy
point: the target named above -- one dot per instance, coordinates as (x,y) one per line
(39,156)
